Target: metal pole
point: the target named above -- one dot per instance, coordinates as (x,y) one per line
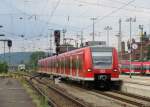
(141,53)
(130,49)
(9,57)
(107,37)
(93,30)
(93,34)
(119,40)
(51,44)
(64,31)
(4,51)
(108,28)
(141,27)
(81,38)
(130,20)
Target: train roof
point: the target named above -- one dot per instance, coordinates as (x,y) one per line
(94,48)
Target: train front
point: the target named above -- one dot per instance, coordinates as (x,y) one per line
(105,65)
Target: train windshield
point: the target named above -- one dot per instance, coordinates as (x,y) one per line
(102,58)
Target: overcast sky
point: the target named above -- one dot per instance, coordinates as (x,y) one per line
(35,18)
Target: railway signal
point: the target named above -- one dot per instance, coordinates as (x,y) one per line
(57,37)
(9,43)
(57,41)
(57,49)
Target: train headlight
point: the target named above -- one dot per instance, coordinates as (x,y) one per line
(89,70)
(115,70)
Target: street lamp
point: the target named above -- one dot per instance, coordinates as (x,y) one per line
(108,28)
(93,19)
(141,52)
(130,20)
(64,32)
(51,35)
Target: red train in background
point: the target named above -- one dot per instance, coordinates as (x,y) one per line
(90,65)
(136,67)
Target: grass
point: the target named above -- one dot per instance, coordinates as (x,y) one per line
(39,100)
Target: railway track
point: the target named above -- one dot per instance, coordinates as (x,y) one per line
(56,97)
(124,99)
(40,91)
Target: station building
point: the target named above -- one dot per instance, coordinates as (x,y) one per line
(140,53)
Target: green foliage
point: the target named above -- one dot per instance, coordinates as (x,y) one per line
(3,67)
(35,56)
(148,53)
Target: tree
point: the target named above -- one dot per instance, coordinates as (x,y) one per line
(148,53)
(35,56)
(3,67)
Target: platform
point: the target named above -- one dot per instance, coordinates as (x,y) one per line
(139,85)
(12,94)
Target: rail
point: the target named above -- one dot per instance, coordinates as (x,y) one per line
(57,97)
(126,99)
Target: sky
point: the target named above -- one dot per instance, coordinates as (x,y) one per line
(36,20)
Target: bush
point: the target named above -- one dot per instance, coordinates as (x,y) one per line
(3,67)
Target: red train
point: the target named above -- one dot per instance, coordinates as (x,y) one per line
(136,67)
(96,65)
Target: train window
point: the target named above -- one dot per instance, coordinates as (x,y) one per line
(77,64)
(67,63)
(64,63)
(146,67)
(59,64)
(74,63)
(135,67)
(52,64)
(70,63)
(125,66)
(49,64)
(102,59)
(55,64)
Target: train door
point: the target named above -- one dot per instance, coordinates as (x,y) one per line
(74,65)
(146,67)
(64,65)
(59,64)
(52,68)
(77,66)
(80,65)
(49,66)
(55,65)
(70,66)
(67,65)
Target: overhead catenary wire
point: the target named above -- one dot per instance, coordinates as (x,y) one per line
(110,6)
(51,15)
(112,12)
(74,28)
